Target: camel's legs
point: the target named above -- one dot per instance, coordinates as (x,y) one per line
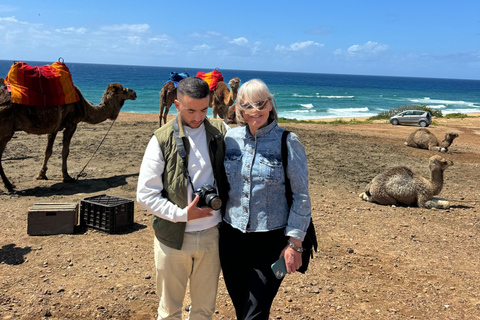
(42,175)
(6,182)
(162,107)
(67,137)
(165,115)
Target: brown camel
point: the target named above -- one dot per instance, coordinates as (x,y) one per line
(51,120)
(222,97)
(168,94)
(231,115)
(424,139)
(401,185)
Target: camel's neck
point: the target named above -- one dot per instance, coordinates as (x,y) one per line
(98,113)
(445,143)
(436,178)
(232,96)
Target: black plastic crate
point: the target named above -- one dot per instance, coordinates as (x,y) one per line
(107,213)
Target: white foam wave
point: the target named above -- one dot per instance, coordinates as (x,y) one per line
(308,106)
(337,97)
(348,110)
(302,95)
(429,101)
(302,111)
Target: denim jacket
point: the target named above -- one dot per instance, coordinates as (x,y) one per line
(255,173)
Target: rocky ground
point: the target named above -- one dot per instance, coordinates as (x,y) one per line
(373,262)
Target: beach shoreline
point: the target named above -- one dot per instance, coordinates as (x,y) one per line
(135,116)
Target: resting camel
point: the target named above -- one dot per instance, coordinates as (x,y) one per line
(168,94)
(401,185)
(424,139)
(222,97)
(51,120)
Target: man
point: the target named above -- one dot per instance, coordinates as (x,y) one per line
(186,236)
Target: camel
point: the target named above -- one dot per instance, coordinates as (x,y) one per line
(222,97)
(231,115)
(424,139)
(51,120)
(168,94)
(401,185)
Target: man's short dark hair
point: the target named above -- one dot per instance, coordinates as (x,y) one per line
(193,87)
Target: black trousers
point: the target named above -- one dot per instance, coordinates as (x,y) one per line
(246,260)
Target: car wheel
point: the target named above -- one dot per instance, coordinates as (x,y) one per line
(423,124)
(395,122)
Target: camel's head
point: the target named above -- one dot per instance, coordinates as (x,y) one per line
(117,90)
(234,83)
(439,163)
(114,98)
(450,136)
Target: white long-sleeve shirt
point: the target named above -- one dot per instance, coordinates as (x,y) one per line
(150,184)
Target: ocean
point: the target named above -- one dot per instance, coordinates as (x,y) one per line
(298,95)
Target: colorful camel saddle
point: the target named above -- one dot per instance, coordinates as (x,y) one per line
(50,85)
(176,77)
(212,78)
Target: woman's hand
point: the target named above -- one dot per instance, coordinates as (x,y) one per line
(293,258)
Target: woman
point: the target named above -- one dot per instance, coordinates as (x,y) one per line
(259,227)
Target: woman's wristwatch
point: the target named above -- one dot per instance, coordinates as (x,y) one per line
(294,247)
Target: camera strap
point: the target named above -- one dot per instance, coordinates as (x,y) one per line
(181,150)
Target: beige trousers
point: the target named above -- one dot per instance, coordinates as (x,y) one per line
(199,262)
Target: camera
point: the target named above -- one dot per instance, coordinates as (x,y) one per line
(208,197)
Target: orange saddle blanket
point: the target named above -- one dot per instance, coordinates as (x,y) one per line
(50,85)
(212,78)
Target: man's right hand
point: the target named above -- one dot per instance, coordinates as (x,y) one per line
(194,212)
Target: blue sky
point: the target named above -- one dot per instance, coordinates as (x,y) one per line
(439,39)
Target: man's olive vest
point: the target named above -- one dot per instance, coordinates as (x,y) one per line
(175,182)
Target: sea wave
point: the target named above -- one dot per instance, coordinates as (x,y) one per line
(348,110)
(296,95)
(429,101)
(308,105)
(337,97)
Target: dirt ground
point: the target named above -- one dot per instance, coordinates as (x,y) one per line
(373,261)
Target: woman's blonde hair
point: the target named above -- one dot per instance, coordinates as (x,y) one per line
(250,92)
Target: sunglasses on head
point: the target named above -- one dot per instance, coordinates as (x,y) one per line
(259,105)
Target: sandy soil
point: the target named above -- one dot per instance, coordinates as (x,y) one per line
(373,262)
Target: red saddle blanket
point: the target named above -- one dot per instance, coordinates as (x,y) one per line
(212,78)
(50,85)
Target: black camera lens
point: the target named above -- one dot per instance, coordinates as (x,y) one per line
(213,201)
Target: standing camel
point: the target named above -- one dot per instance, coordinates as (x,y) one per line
(401,185)
(222,97)
(51,120)
(424,139)
(168,94)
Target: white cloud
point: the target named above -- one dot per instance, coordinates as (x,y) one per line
(240,41)
(368,49)
(203,47)
(207,34)
(11,19)
(132,28)
(299,46)
(72,30)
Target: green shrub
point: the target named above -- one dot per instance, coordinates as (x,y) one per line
(456,115)
(389,113)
